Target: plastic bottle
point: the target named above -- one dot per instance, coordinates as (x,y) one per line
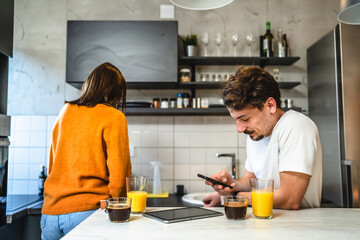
(157,188)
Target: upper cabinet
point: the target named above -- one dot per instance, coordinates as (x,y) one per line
(6,27)
(144,51)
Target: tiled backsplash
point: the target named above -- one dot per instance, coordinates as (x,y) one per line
(184,145)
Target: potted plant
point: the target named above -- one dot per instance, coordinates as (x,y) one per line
(190,43)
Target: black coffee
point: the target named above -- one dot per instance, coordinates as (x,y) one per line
(235,210)
(119,213)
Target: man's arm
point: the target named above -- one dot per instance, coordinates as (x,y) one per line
(292,189)
(291,192)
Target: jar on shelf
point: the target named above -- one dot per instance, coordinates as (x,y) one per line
(226,76)
(204,103)
(217,77)
(186,100)
(179,101)
(164,103)
(276,74)
(204,77)
(156,103)
(172,103)
(185,75)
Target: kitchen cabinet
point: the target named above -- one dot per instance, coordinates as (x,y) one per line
(192,62)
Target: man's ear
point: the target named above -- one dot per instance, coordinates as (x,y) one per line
(271,104)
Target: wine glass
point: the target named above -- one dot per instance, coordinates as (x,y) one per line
(250,40)
(218,42)
(204,40)
(235,41)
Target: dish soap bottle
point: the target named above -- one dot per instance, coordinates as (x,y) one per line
(157,188)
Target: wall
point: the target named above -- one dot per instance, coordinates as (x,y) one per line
(185,145)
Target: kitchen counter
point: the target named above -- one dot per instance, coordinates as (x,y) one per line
(18,206)
(316,223)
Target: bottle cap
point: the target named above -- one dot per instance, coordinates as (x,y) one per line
(179,95)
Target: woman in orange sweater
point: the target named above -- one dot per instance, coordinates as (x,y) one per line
(89,154)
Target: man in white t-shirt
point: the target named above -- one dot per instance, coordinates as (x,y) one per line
(284,146)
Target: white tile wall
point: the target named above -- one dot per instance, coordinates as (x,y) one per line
(184,145)
(29,144)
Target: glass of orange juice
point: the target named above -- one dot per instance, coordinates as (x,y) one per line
(262,194)
(137,191)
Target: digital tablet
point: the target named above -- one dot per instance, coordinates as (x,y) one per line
(182,214)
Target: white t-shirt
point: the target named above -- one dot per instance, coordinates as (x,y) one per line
(294,145)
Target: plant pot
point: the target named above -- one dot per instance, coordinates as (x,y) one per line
(190,50)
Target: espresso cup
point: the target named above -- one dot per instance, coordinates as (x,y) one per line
(235,207)
(118,209)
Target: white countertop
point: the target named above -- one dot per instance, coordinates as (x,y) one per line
(317,223)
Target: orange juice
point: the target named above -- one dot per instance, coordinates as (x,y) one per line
(262,203)
(138,204)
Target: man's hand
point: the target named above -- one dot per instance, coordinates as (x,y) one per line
(212,200)
(225,177)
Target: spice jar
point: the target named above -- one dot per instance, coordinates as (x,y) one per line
(185,75)
(186,100)
(217,77)
(164,103)
(172,103)
(179,101)
(204,77)
(204,103)
(226,76)
(156,103)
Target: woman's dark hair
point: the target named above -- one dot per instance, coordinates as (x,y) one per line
(105,85)
(250,87)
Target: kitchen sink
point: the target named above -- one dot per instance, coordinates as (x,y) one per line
(195,198)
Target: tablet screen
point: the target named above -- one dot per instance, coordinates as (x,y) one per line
(182,214)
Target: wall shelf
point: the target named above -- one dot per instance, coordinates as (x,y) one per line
(218,111)
(258,61)
(193,85)
(177,111)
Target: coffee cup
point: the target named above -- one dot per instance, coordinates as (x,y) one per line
(235,207)
(118,209)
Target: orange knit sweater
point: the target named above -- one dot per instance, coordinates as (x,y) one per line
(89,159)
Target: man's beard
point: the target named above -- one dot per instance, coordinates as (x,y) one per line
(255,138)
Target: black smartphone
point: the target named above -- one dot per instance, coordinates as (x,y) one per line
(214,181)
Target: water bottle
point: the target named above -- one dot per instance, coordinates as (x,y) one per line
(157,188)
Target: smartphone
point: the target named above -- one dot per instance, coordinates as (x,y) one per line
(214,181)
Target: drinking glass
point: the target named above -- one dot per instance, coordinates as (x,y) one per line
(137,191)
(235,207)
(218,42)
(235,41)
(118,209)
(204,40)
(262,194)
(250,40)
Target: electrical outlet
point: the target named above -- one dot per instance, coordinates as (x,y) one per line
(167,11)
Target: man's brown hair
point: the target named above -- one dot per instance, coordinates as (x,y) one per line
(250,87)
(105,85)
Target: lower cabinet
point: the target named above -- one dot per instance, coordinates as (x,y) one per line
(24,228)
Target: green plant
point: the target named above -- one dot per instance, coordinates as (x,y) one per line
(190,39)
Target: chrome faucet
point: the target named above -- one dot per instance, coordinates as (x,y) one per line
(233,162)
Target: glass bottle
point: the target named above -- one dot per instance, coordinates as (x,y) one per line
(268,43)
(280,45)
(287,50)
(42,178)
